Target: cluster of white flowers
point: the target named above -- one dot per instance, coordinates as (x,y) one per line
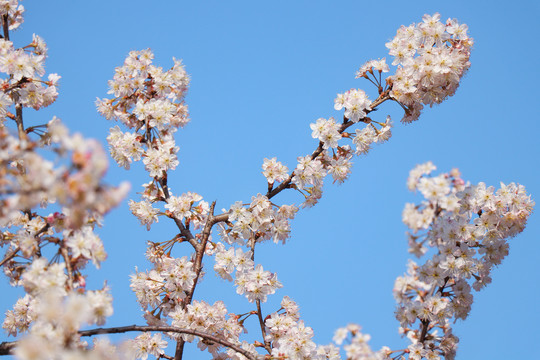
(327,131)
(150,101)
(377,65)
(179,207)
(336,160)
(24,67)
(274,170)
(20,318)
(432,58)
(166,285)
(209,319)
(68,185)
(182,207)
(14,11)
(256,283)
(147,344)
(259,221)
(85,245)
(355,102)
(231,259)
(145,95)
(468,227)
(357,347)
(309,174)
(78,194)
(56,319)
(291,339)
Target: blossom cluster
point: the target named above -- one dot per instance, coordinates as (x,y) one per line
(370,66)
(209,319)
(355,102)
(57,320)
(164,286)
(432,58)
(468,227)
(75,192)
(260,221)
(149,101)
(291,338)
(357,347)
(52,195)
(23,67)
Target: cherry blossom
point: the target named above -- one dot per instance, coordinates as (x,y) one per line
(51,204)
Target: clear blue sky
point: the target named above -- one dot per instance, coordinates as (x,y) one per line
(261,73)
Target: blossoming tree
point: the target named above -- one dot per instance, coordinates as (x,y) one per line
(53,197)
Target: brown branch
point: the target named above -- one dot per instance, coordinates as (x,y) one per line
(64,252)
(10,256)
(165,329)
(7,347)
(425,323)
(263,327)
(186,233)
(267,345)
(183,230)
(197,267)
(16,250)
(5,26)
(287,183)
(423,334)
(221,217)
(347,123)
(19,118)
(179,351)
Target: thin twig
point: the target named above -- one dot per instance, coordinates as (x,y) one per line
(10,256)
(64,252)
(263,327)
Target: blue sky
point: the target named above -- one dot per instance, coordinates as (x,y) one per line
(261,73)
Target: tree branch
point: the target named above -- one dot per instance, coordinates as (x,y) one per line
(6,347)
(165,329)
(183,230)
(263,327)
(197,267)
(10,256)
(5,26)
(287,183)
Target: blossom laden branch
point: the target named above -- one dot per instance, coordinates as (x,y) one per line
(168,329)
(7,347)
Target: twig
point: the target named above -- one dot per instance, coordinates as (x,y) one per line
(263,327)
(64,252)
(10,256)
